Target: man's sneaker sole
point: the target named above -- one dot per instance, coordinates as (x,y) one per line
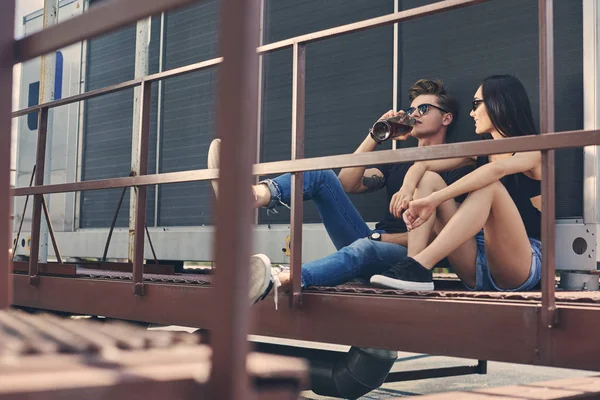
(214,152)
(260,277)
(390,283)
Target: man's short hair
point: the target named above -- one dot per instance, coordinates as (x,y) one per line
(436,88)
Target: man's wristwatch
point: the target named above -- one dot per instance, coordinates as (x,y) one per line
(376,236)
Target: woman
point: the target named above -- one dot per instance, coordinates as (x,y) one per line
(493,239)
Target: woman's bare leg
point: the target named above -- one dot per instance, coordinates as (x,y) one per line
(507,246)
(491,208)
(420,238)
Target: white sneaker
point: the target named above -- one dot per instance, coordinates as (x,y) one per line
(214,153)
(263,278)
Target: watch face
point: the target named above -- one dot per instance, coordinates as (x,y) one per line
(376,235)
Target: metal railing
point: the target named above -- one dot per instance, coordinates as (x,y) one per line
(238,94)
(238,89)
(7,61)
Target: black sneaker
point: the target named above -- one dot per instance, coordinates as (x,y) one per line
(407,275)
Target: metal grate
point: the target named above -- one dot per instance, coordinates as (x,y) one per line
(563,296)
(24,334)
(46,357)
(198,279)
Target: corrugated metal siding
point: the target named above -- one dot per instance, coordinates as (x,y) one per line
(348,86)
(464,46)
(188,113)
(568,40)
(109,121)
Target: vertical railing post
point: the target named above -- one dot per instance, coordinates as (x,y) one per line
(159,112)
(237,97)
(140,192)
(47,84)
(591,116)
(142,45)
(298,109)
(546,54)
(7,35)
(36,213)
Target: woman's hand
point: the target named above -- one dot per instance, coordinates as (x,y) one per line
(400,201)
(419,211)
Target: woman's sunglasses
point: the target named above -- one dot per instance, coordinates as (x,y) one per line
(422,109)
(476,104)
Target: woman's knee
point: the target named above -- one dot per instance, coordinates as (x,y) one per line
(431,181)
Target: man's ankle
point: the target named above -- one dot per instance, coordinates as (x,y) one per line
(262,194)
(285,279)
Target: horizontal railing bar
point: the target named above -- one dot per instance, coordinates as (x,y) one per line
(100,19)
(184,70)
(320,35)
(111,183)
(79,97)
(121,86)
(389,19)
(560,140)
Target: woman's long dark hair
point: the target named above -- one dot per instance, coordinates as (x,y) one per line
(508,105)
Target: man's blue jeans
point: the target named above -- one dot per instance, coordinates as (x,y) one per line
(356,255)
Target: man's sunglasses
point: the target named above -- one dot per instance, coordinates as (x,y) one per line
(476,104)
(423,108)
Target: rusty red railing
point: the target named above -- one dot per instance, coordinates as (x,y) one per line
(238,87)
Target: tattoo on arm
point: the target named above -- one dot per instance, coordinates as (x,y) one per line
(373,183)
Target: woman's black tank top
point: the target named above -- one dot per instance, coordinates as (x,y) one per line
(521,189)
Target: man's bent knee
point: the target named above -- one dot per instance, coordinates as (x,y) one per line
(360,247)
(326,174)
(362,244)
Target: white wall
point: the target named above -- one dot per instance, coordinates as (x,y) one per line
(24,7)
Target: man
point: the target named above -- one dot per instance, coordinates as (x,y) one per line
(361,252)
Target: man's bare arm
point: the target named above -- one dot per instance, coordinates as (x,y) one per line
(372,180)
(353,178)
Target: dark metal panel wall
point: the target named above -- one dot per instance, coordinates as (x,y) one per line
(348,86)
(188,113)
(109,121)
